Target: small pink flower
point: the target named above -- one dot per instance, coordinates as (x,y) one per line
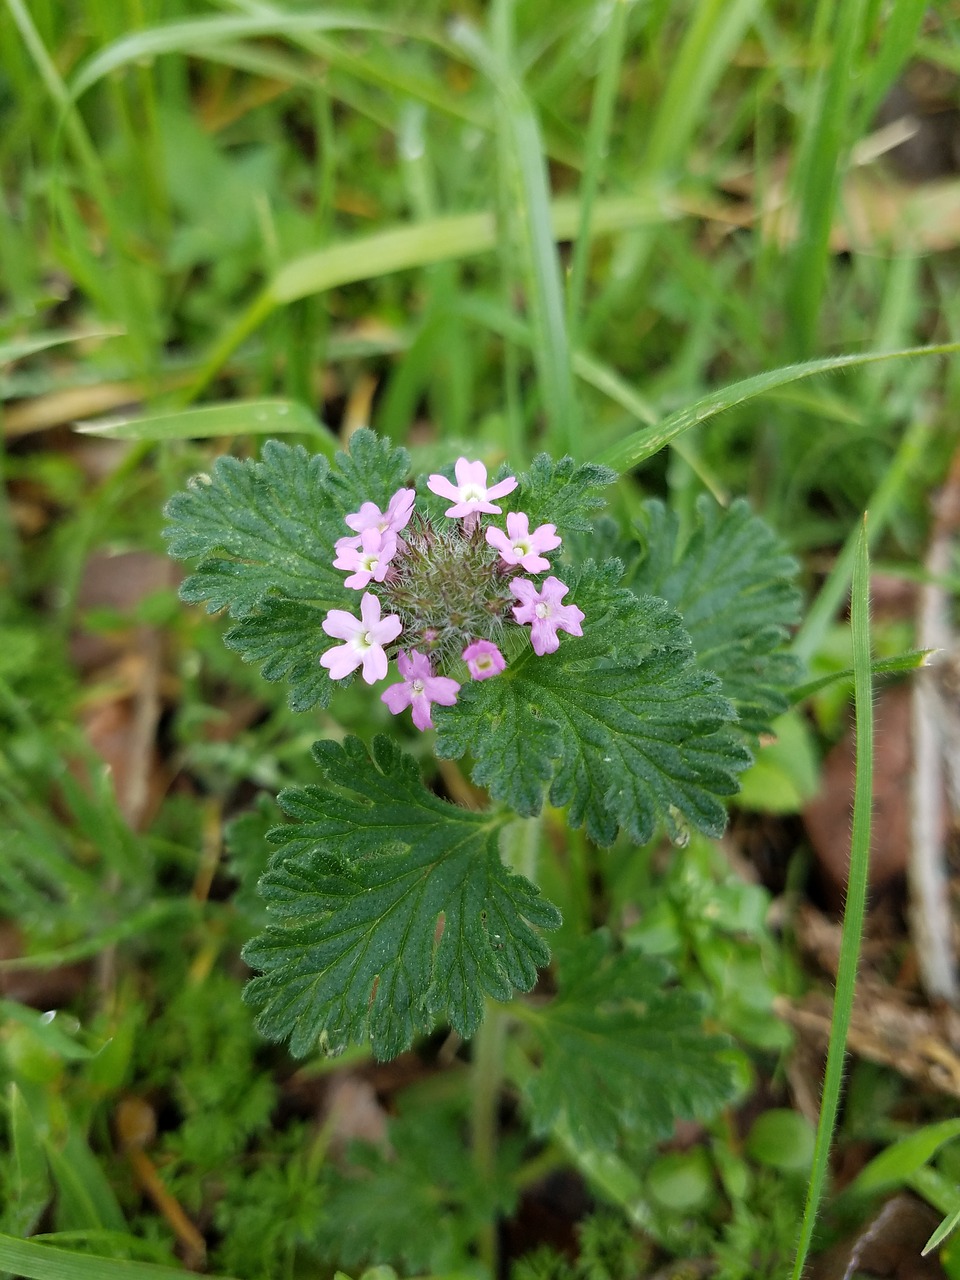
(543,610)
(419,689)
(393,519)
(519,546)
(368,561)
(483,659)
(470,494)
(364,638)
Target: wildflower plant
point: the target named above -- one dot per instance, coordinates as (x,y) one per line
(473,606)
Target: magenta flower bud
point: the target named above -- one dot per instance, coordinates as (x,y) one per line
(545,613)
(483,659)
(419,689)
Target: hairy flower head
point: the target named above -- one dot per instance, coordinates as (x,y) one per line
(448,587)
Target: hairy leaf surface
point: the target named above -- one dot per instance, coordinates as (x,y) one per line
(618,723)
(623,1053)
(393,910)
(264,532)
(564,493)
(732,582)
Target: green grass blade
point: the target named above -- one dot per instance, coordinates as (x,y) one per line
(46,1262)
(856,895)
(901,663)
(641,445)
(534,223)
(897,46)
(598,133)
(817,175)
(401,248)
(948,1225)
(241,418)
(195,35)
(20,348)
(704,55)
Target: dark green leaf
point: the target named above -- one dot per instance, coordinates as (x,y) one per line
(393,910)
(618,723)
(563,493)
(624,1054)
(732,582)
(264,533)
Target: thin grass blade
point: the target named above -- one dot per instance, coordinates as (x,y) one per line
(856,895)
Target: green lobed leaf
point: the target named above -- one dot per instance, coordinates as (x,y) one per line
(618,723)
(732,582)
(624,1055)
(564,493)
(392,910)
(264,532)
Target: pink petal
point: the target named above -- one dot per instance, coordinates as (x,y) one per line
(367,517)
(553,590)
(400,508)
(502,487)
(544,538)
(420,706)
(397,697)
(420,668)
(518,525)
(525,590)
(340,661)
(406,665)
(442,690)
(374,664)
(499,540)
(470,473)
(441,486)
(383,632)
(348,558)
(341,625)
(543,636)
(568,618)
(357,581)
(370,611)
(534,563)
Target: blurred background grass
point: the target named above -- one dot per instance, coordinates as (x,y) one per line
(518,225)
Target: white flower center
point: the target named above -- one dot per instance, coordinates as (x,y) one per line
(369,562)
(542,610)
(472,493)
(417,687)
(363,641)
(521,548)
(484,662)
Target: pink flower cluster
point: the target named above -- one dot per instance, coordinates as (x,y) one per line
(403,562)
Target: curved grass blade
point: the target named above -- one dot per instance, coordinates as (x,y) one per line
(47,1262)
(400,248)
(194,35)
(641,445)
(20,348)
(241,418)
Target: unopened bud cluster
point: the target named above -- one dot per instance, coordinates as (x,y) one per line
(438,596)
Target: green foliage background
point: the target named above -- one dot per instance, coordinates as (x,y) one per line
(503,229)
